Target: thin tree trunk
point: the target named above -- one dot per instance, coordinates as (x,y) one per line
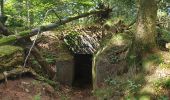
(28,13)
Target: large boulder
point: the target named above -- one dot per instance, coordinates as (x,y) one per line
(10,57)
(111,59)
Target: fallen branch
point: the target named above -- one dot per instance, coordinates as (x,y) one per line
(22,70)
(14,72)
(45,66)
(12,38)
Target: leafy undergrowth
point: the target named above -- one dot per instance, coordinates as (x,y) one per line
(151,82)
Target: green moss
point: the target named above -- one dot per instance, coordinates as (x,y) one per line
(144,97)
(119,39)
(8,50)
(10,56)
(25,33)
(154,58)
(7,39)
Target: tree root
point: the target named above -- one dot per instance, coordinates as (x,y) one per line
(22,70)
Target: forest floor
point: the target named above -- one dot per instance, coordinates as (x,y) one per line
(27,88)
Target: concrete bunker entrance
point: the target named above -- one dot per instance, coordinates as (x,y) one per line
(82,70)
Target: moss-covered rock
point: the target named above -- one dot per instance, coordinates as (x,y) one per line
(111,60)
(10,56)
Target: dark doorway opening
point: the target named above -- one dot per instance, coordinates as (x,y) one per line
(83,70)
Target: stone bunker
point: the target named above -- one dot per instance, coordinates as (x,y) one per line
(76,64)
(76,68)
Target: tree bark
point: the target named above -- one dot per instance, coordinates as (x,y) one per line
(12,38)
(2,7)
(4,30)
(145,36)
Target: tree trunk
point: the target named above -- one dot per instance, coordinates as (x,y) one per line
(145,36)
(2,7)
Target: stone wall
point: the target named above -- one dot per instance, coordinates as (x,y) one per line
(64,65)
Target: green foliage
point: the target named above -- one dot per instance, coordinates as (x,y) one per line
(22,13)
(164,82)
(127,86)
(110,81)
(155,58)
(26,13)
(103,93)
(50,58)
(164,35)
(133,86)
(163,97)
(30,13)
(34,62)
(123,8)
(37,97)
(71,40)
(114,59)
